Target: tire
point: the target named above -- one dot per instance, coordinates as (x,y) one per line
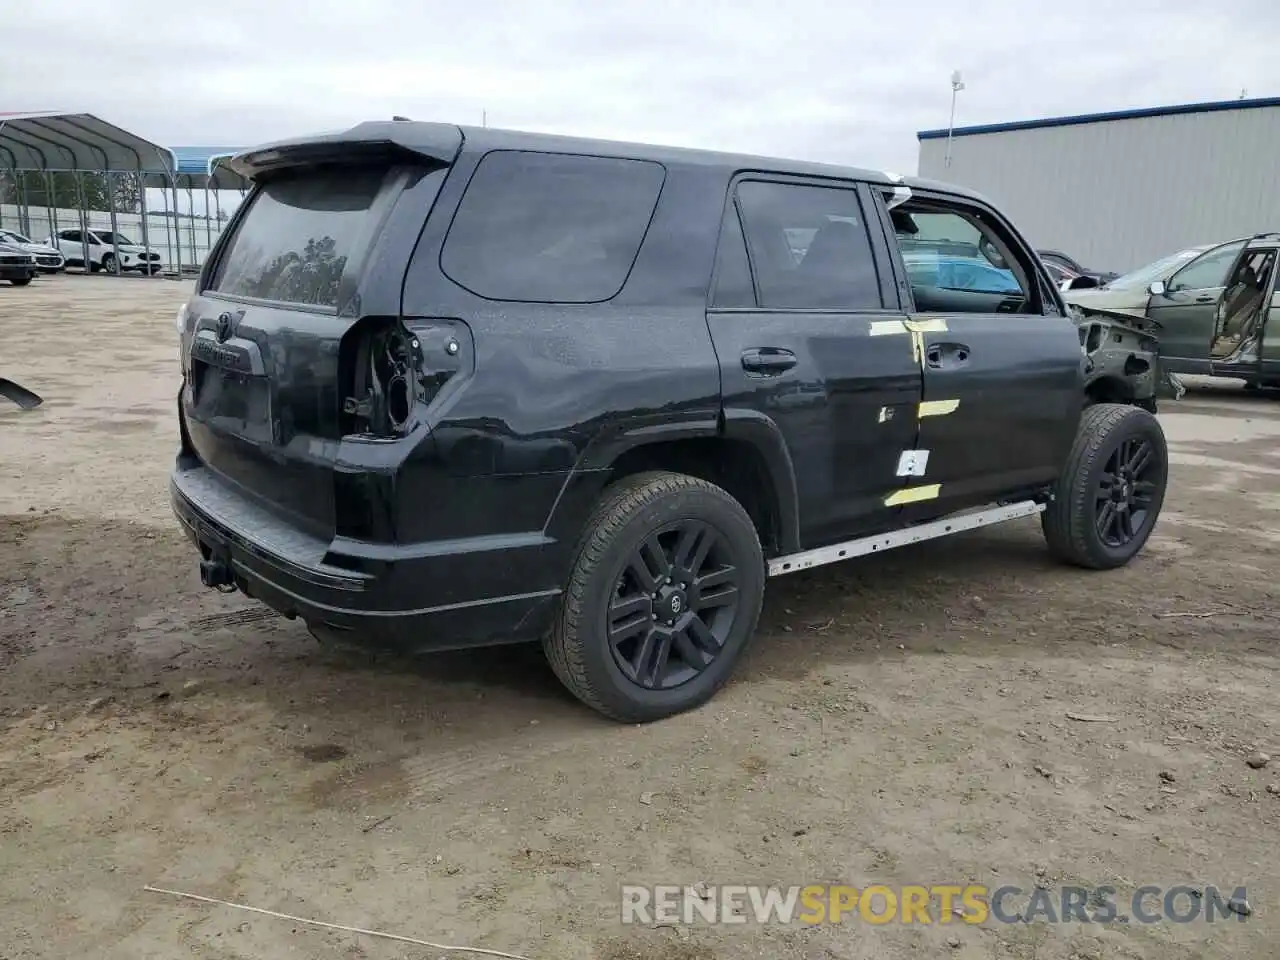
(703,637)
(21,281)
(109,263)
(1078,526)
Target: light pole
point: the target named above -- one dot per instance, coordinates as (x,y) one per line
(957,84)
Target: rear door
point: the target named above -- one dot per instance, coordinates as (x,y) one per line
(806,342)
(265,371)
(1002,365)
(1187,309)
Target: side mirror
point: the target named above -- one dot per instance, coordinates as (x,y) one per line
(1157,288)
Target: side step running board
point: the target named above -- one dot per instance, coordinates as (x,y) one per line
(958,523)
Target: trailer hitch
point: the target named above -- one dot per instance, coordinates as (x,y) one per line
(217,574)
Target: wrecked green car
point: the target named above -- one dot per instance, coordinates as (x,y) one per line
(1210,308)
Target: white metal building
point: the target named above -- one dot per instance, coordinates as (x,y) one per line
(1118,190)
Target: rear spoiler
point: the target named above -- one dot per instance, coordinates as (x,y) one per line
(407,139)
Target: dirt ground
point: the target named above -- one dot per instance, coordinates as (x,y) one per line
(899,721)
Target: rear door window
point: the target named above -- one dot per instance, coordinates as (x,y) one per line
(298,235)
(809,247)
(551,228)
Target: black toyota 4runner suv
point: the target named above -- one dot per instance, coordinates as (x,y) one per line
(447,387)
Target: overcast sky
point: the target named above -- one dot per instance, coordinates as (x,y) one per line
(848,81)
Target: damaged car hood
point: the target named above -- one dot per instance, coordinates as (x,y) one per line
(1132,303)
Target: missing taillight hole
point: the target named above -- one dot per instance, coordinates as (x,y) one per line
(399,402)
(387,381)
(395,371)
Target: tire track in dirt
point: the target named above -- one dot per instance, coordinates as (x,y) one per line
(426,776)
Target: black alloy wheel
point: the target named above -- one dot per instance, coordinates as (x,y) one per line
(663,598)
(1126,491)
(675,600)
(1108,497)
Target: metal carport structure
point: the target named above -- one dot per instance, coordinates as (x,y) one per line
(200,169)
(49,142)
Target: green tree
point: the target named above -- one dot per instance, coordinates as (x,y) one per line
(92,191)
(127,192)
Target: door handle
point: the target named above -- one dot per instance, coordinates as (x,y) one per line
(768,360)
(941,356)
(1206,299)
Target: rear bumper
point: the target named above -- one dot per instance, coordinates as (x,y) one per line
(436,596)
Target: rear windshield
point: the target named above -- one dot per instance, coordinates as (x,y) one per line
(551,228)
(297,234)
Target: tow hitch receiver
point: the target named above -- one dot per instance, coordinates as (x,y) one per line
(217,574)
(215,562)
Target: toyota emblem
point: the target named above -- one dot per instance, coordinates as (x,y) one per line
(224,328)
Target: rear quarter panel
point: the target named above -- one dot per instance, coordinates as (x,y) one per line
(559,390)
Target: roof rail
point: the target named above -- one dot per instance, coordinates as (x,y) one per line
(1259,236)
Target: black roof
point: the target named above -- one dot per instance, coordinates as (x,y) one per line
(442,141)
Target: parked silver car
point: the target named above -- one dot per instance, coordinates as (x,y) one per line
(48,259)
(16,265)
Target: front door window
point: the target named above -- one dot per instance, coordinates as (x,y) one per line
(1208,271)
(957,264)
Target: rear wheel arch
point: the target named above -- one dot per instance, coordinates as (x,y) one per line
(744,453)
(734,465)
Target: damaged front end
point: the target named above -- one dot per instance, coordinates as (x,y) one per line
(1122,358)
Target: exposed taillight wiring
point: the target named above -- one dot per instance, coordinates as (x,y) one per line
(397,374)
